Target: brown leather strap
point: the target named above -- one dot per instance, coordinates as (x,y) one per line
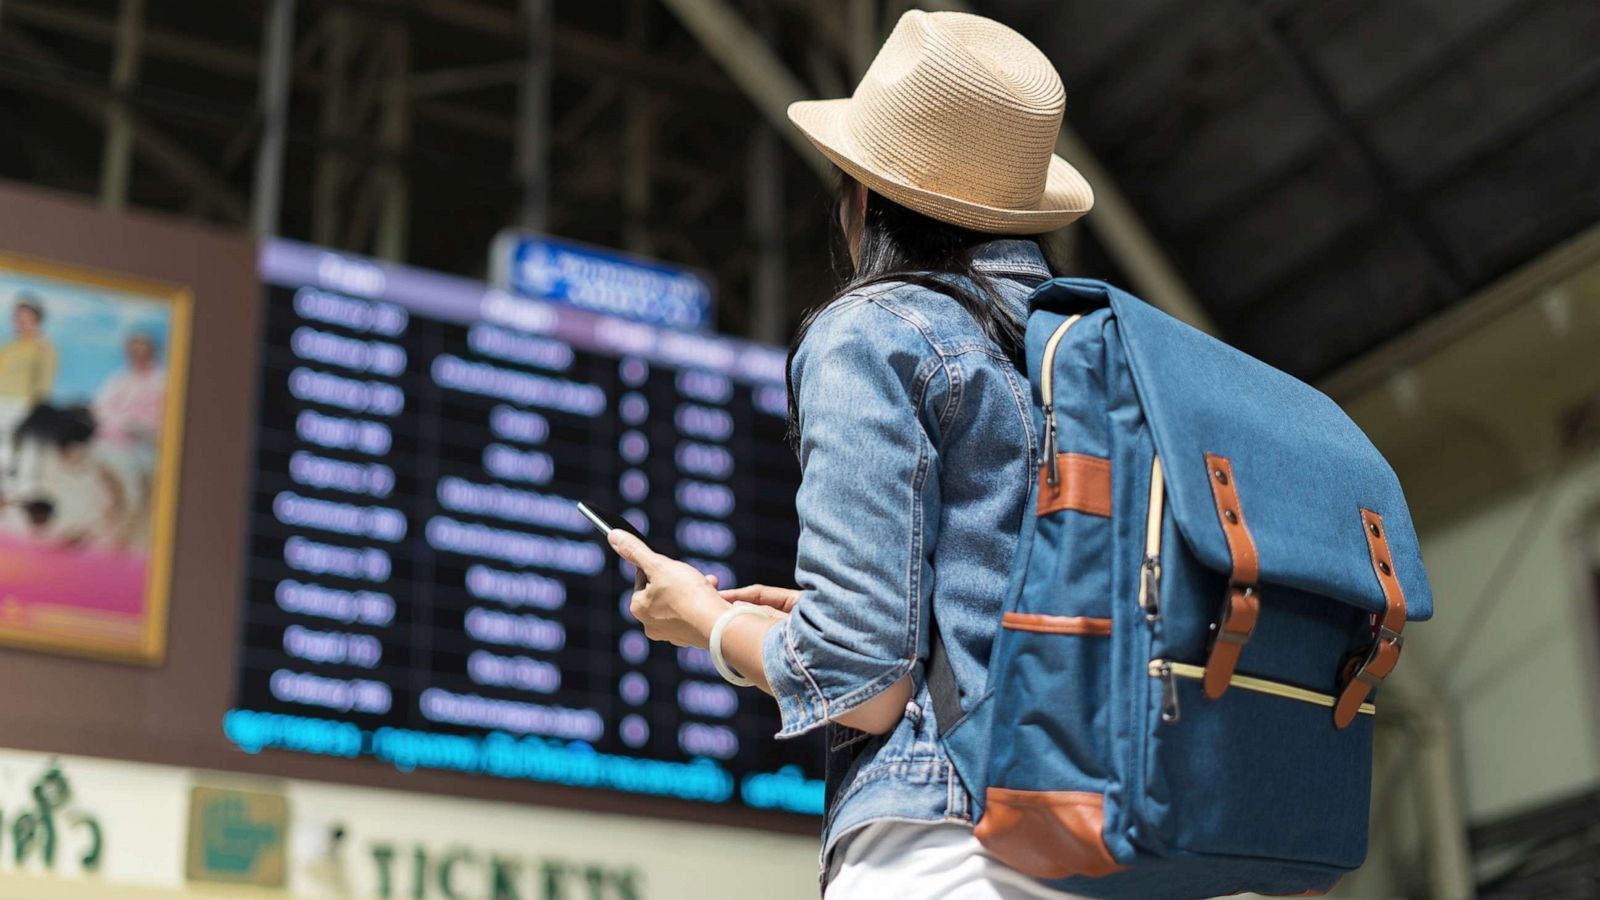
(1243,605)
(1083,483)
(1361,676)
(1048,624)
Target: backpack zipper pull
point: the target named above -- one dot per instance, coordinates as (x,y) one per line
(1169,694)
(1048,454)
(1150,588)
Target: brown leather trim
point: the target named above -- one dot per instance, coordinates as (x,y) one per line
(1083,483)
(1047,834)
(1363,676)
(1243,605)
(1234,628)
(1056,624)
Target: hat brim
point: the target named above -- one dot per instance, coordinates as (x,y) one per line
(1067,195)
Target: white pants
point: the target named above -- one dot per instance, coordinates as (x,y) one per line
(12,411)
(925,861)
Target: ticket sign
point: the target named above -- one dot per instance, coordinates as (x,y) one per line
(604,281)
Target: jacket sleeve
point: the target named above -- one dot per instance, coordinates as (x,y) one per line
(871,392)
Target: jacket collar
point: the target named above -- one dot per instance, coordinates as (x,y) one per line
(1010,256)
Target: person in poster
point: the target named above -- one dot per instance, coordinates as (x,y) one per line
(89,426)
(128,413)
(28,365)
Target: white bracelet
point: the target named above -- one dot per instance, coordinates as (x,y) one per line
(738,609)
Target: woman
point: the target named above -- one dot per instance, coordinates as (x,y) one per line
(916,447)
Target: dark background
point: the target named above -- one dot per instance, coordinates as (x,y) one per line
(171,713)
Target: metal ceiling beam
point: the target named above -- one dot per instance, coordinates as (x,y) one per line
(1447,271)
(335,119)
(164,153)
(276,71)
(757,70)
(533,115)
(639,131)
(582,114)
(764,215)
(1432,62)
(753,66)
(116,158)
(394,129)
(465,79)
(577,50)
(864,39)
(1352,233)
(238,62)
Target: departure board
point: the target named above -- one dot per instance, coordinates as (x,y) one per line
(420,586)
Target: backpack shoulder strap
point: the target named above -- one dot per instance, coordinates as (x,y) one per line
(943,690)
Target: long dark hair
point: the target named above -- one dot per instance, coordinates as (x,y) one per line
(900,244)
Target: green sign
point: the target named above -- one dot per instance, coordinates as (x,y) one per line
(238,837)
(48,825)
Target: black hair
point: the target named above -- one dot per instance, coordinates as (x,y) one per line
(61,427)
(901,244)
(31,303)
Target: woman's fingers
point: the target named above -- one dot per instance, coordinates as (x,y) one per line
(634,550)
(763,595)
(749,593)
(711,580)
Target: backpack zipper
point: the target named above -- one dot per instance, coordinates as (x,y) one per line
(1160,668)
(1167,670)
(1047,397)
(1150,569)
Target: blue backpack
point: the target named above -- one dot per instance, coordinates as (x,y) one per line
(1213,574)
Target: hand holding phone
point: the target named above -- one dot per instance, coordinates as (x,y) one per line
(606,522)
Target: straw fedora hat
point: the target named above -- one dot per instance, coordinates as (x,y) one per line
(956,118)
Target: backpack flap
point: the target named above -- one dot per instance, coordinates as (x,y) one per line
(1269,481)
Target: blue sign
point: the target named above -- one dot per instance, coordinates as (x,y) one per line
(605,281)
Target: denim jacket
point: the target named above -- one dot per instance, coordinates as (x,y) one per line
(917,452)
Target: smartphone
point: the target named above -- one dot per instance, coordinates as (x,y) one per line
(606,522)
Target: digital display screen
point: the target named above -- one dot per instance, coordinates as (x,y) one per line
(421,588)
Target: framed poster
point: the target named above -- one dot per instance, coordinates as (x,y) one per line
(92,371)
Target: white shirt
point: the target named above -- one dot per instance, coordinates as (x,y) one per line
(925,861)
(131,406)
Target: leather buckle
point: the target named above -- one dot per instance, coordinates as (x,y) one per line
(1220,630)
(1361,678)
(1232,630)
